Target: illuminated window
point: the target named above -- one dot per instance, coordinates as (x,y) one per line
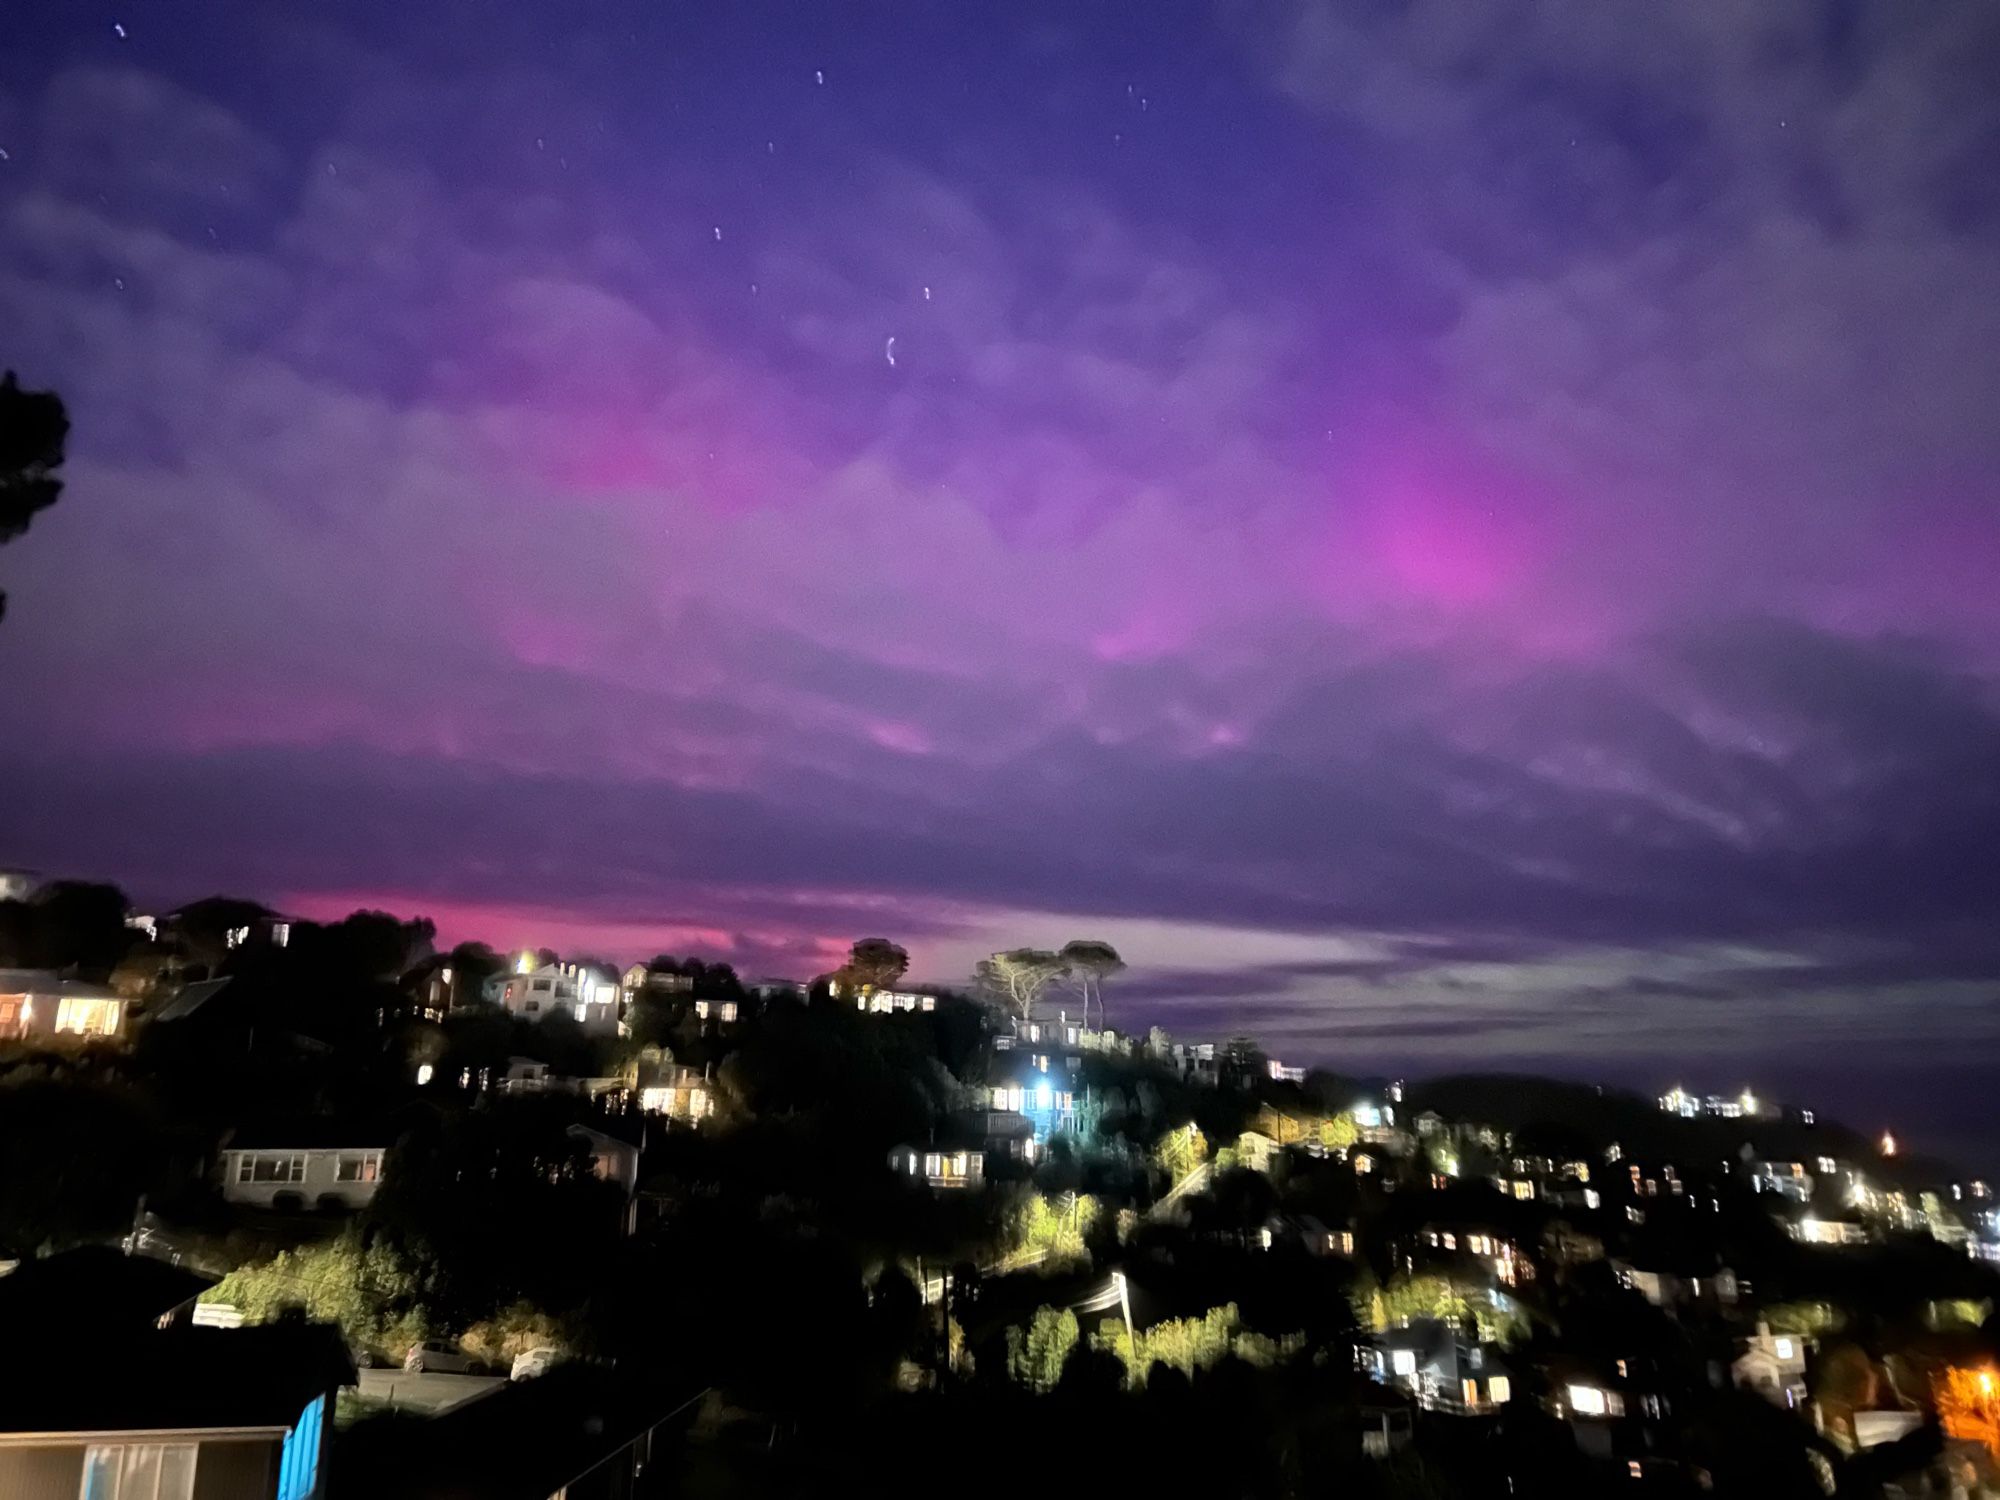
(87,1017)
(1587,1399)
(270,1166)
(1403,1361)
(1469,1389)
(138,1471)
(364,1167)
(1499,1390)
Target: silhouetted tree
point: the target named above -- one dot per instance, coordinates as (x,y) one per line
(33,430)
(1091,963)
(874,962)
(1018,978)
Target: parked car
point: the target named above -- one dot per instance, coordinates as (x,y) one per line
(439,1358)
(532,1362)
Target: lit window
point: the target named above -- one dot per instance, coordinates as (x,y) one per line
(1785,1348)
(1403,1361)
(270,1166)
(138,1471)
(366,1167)
(87,1017)
(1499,1390)
(1587,1399)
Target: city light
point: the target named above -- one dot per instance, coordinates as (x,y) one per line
(1888,1144)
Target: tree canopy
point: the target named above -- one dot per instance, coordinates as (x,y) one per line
(34,429)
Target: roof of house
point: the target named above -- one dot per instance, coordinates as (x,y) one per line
(311,1133)
(190,998)
(179,1380)
(98,1286)
(48,982)
(528,1439)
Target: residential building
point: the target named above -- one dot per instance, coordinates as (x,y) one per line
(537,992)
(640,979)
(530,1075)
(175,1414)
(1432,1361)
(1774,1366)
(873,1002)
(1744,1106)
(1025,1084)
(37,1003)
(947,1167)
(717,1012)
(209,929)
(307,1166)
(680,1093)
(1815,1230)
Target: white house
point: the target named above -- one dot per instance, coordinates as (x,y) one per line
(538,993)
(277,1175)
(36,1003)
(1774,1366)
(874,1002)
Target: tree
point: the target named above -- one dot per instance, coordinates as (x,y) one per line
(1036,1356)
(874,963)
(33,430)
(1092,963)
(1190,1344)
(1020,977)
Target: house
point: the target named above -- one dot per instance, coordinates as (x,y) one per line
(1432,1361)
(1814,1230)
(1680,1285)
(530,1075)
(536,993)
(1785,1179)
(1256,1150)
(311,1165)
(958,1165)
(639,979)
(665,1087)
(1025,1084)
(1774,1366)
(717,1012)
(173,1414)
(873,1002)
(1308,1233)
(209,929)
(36,1003)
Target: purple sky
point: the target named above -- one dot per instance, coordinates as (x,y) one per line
(1454,534)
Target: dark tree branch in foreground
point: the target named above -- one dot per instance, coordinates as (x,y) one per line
(33,429)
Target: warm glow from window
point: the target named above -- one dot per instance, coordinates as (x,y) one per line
(86,1017)
(1587,1399)
(1499,1390)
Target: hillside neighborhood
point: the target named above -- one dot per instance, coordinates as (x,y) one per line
(295,1209)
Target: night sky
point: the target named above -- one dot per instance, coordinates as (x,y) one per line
(1456,535)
